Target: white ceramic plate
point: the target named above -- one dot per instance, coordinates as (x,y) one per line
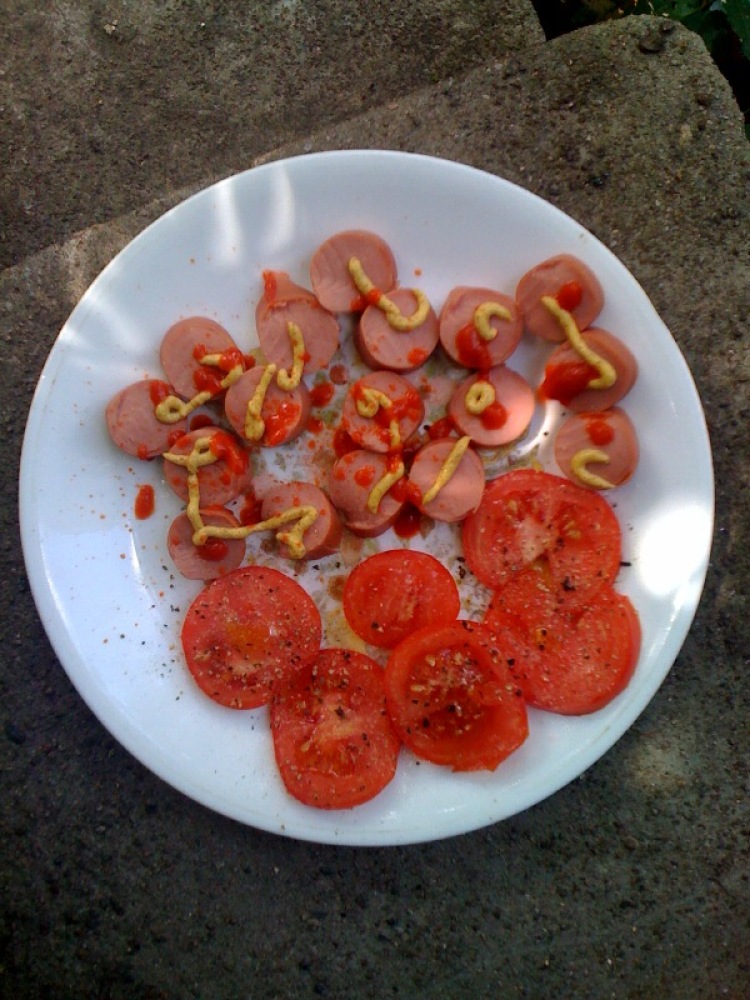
(102,583)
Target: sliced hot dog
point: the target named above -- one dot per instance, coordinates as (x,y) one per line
(216,557)
(284,411)
(505,419)
(380,346)
(132,422)
(222,480)
(566,374)
(183,346)
(458,334)
(374,432)
(323,536)
(285,302)
(329,269)
(460,495)
(351,482)
(611,433)
(571,282)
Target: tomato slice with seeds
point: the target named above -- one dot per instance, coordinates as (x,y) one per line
(334,742)
(246,632)
(392,593)
(569,663)
(453,699)
(527,518)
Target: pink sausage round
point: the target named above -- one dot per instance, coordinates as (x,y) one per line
(323,536)
(505,420)
(611,432)
(181,350)
(329,269)
(461,341)
(284,411)
(608,347)
(461,494)
(351,481)
(205,562)
(285,302)
(222,480)
(373,433)
(380,346)
(558,277)
(132,422)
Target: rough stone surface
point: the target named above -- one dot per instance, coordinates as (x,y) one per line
(630,883)
(107,105)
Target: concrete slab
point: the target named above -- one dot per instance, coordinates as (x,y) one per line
(631,882)
(109,105)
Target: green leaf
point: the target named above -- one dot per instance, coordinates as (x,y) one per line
(738,15)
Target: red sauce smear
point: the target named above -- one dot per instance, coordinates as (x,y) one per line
(213,550)
(494,417)
(338,374)
(251,510)
(471,349)
(599,429)
(321,394)
(200,420)
(365,476)
(224,446)
(569,295)
(343,443)
(314,425)
(207,379)
(279,422)
(408,522)
(405,492)
(416,356)
(144,502)
(158,391)
(270,285)
(442,428)
(567,380)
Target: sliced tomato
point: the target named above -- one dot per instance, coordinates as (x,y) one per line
(528,517)
(392,593)
(333,739)
(570,663)
(247,632)
(453,699)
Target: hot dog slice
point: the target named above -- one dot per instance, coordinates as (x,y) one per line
(216,557)
(284,302)
(380,346)
(220,481)
(352,480)
(132,422)
(571,282)
(459,335)
(606,445)
(323,536)
(371,406)
(505,418)
(329,269)
(566,374)
(284,412)
(183,346)
(461,493)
